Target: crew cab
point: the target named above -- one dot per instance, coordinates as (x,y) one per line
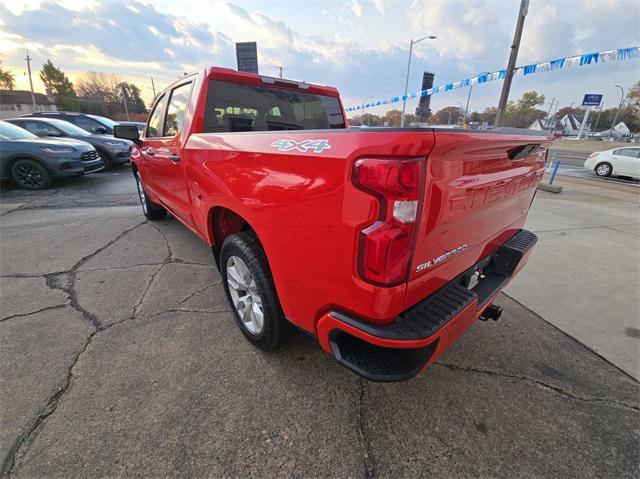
(385,244)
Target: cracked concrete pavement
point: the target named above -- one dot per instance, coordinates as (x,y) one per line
(119,356)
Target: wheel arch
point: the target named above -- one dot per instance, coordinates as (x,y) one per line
(23,156)
(223,222)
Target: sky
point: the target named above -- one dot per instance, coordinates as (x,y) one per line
(359,46)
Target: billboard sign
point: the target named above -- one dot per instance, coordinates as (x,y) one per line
(591,99)
(247,56)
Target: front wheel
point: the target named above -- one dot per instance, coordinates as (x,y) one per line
(603,169)
(105,159)
(247,281)
(150,209)
(30,174)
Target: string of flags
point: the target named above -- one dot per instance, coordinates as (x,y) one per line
(551,65)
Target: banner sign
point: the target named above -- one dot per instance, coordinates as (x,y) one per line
(591,99)
(551,65)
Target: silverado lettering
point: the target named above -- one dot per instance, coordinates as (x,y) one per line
(321,226)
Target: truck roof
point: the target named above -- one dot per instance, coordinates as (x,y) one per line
(228,74)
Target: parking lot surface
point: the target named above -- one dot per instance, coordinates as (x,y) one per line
(120,357)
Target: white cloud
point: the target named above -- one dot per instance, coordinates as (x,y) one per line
(356,8)
(381,5)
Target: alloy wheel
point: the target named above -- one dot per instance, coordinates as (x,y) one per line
(244,295)
(29,175)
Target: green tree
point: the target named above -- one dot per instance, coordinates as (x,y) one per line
(445,116)
(489,115)
(392,118)
(131,94)
(633,95)
(59,85)
(7,80)
(523,112)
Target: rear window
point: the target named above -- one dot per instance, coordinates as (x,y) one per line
(239,107)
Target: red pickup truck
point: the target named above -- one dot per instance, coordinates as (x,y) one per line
(385,244)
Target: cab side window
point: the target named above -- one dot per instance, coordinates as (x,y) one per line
(153,127)
(174,120)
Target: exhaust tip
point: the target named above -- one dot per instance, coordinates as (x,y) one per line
(492,312)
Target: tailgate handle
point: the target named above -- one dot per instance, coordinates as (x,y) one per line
(522,151)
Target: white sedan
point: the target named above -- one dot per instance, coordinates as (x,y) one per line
(618,162)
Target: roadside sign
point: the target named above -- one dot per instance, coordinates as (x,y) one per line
(247,56)
(591,99)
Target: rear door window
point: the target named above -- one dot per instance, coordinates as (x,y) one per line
(239,107)
(84,122)
(629,152)
(177,108)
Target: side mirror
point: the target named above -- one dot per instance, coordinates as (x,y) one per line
(101,130)
(127,132)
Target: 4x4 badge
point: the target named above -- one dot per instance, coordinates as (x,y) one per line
(316,146)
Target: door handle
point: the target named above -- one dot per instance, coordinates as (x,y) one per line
(148,151)
(174,158)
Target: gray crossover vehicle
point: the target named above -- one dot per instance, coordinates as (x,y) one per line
(113,151)
(33,162)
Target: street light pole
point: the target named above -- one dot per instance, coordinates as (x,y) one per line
(615,118)
(406,82)
(466,109)
(459,111)
(511,66)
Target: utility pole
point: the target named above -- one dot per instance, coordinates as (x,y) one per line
(33,95)
(549,113)
(153,87)
(280,71)
(511,67)
(615,118)
(124,100)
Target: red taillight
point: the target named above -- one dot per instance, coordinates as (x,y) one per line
(385,247)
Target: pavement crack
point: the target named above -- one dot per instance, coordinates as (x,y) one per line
(198,291)
(368,460)
(170,257)
(41,310)
(540,384)
(134,311)
(67,285)
(24,440)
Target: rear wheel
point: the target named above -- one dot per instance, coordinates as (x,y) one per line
(150,209)
(247,281)
(30,174)
(603,169)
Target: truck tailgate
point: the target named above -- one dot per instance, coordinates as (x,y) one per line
(478,189)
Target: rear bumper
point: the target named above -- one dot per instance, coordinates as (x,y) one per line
(400,350)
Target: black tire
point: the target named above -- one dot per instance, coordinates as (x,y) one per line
(151,210)
(30,174)
(276,329)
(603,169)
(105,159)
